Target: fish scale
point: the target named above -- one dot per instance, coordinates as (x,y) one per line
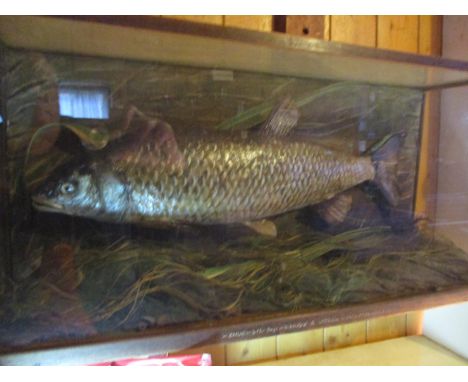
(235,181)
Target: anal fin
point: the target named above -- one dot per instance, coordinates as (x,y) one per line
(334,211)
(263,227)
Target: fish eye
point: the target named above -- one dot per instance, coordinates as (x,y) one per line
(67,188)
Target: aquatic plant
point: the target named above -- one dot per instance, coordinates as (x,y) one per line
(131,284)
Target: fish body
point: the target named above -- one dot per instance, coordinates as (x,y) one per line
(233,180)
(215,179)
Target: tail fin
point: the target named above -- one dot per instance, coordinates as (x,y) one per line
(385,159)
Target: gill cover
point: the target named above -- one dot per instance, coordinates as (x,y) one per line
(70,189)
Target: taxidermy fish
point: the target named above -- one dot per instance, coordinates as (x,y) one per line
(150,176)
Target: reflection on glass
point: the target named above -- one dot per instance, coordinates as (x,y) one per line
(83,102)
(155,217)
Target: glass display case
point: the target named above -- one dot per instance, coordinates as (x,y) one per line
(166,184)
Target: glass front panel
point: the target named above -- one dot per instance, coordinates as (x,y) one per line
(145,194)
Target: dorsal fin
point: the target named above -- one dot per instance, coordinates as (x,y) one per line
(282,119)
(153,131)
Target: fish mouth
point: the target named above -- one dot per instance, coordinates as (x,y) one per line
(43,204)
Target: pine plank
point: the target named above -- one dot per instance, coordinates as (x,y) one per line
(383,328)
(407,351)
(358,30)
(430,43)
(206,19)
(426,190)
(362,30)
(327,27)
(340,336)
(308,26)
(251,350)
(305,342)
(259,23)
(414,323)
(430,35)
(398,33)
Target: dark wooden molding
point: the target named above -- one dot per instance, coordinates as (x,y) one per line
(279,24)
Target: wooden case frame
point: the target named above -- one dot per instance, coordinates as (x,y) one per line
(56,34)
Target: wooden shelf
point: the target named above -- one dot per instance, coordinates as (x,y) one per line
(405,351)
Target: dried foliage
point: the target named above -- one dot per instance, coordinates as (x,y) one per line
(132,284)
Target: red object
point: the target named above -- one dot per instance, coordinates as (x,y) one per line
(178,360)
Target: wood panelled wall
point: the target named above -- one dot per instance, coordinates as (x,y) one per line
(416,34)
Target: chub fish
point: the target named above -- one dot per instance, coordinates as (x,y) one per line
(215,178)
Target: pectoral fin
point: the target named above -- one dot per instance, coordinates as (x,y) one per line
(334,211)
(282,119)
(263,227)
